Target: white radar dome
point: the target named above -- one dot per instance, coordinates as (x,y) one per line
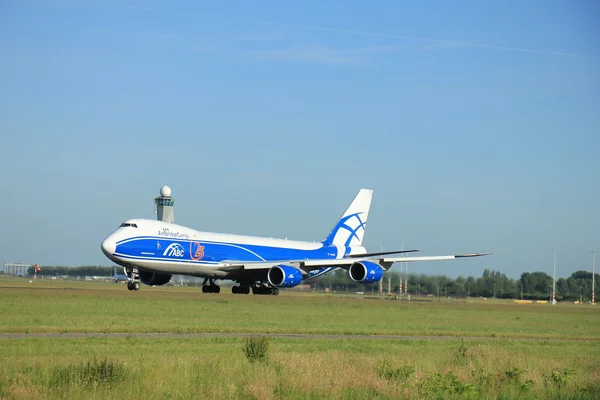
(165,191)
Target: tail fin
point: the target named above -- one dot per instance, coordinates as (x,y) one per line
(350,230)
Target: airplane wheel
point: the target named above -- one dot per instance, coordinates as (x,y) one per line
(240,290)
(211,289)
(265,290)
(136,285)
(129,286)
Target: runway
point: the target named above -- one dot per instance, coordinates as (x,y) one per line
(141,335)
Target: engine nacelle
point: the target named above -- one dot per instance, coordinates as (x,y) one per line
(284,276)
(365,272)
(151,278)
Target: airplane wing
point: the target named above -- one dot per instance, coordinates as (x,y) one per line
(308,265)
(432,258)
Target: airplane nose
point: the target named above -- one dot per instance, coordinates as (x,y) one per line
(109,246)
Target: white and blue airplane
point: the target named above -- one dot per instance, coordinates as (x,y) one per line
(151,251)
(119,277)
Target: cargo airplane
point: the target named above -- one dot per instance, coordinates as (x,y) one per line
(151,251)
(119,278)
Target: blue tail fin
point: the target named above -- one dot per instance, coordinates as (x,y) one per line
(350,230)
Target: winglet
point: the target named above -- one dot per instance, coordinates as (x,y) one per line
(473,255)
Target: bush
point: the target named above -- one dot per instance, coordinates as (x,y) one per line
(440,385)
(462,351)
(385,370)
(256,348)
(91,374)
(514,375)
(561,379)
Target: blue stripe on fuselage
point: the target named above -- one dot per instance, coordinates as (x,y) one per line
(159,248)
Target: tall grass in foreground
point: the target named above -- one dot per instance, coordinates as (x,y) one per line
(256,348)
(294,370)
(92,374)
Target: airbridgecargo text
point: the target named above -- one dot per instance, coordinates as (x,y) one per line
(168,233)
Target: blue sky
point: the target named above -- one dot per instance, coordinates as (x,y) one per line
(475,123)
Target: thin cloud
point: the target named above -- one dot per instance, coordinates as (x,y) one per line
(163,36)
(449,44)
(207,45)
(259,37)
(322,55)
(431,41)
(309,54)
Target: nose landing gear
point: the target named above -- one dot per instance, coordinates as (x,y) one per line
(134,279)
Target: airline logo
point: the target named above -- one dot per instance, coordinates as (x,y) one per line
(196,251)
(349,230)
(174,250)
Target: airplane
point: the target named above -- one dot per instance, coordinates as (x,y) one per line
(151,251)
(120,278)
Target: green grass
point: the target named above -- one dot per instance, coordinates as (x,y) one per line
(163,368)
(363,369)
(46,306)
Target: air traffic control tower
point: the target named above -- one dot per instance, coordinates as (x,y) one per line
(164,205)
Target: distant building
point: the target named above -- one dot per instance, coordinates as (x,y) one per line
(16,269)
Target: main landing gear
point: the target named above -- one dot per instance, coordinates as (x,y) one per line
(265,290)
(257,288)
(211,287)
(240,289)
(243,288)
(134,279)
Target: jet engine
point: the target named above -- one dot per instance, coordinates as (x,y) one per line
(365,272)
(284,276)
(151,278)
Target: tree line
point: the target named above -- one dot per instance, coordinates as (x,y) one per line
(492,284)
(530,286)
(87,270)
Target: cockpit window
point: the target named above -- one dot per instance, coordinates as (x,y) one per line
(125,224)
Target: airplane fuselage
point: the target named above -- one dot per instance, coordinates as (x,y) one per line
(157,246)
(152,251)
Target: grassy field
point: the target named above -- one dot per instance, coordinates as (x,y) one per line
(363,369)
(46,306)
(163,368)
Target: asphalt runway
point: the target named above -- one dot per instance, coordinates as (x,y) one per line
(273,335)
